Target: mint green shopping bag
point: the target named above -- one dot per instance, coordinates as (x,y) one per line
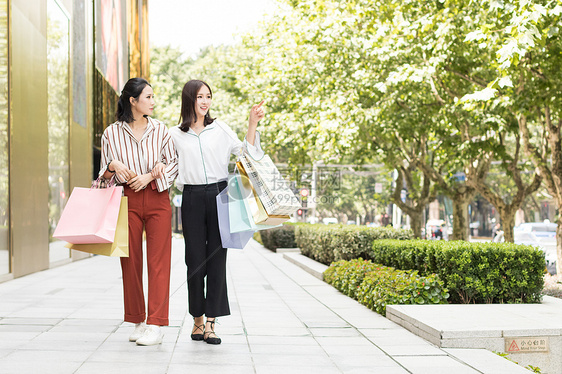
(239,216)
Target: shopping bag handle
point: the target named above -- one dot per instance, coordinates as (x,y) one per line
(101,182)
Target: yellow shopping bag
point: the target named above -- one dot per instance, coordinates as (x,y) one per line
(120,245)
(255,205)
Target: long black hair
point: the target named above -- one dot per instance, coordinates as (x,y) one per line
(133,88)
(188,100)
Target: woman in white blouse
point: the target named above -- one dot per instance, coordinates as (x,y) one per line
(139,153)
(204,146)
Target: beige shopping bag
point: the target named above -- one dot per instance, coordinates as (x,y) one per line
(271,188)
(255,205)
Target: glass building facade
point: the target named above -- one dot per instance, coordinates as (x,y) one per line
(62,64)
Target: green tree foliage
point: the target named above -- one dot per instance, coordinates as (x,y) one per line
(524,37)
(412,84)
(169,70)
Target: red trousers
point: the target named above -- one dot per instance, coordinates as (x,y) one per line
(149,210)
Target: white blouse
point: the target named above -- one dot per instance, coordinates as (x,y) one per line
(156,145)
(204,158)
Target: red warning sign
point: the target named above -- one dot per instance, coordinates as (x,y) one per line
(513,347)
(527,344)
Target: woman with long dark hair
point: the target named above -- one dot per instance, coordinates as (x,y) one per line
(139,153)
(204,146)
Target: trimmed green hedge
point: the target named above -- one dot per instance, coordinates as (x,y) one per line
(279,237)
(473,272)
(377,286)
(329,243)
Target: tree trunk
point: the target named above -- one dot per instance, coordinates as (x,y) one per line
(552,176)
(507,217)
(460,215)
(559,245)
(416,206)
(416,223)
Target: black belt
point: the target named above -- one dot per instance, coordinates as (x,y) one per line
(212,186)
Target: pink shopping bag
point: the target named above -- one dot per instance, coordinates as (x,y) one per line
(90,216)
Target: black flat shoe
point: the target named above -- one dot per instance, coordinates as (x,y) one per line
(209,336)
(198,336)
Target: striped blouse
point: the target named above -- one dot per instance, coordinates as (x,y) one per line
(156,145)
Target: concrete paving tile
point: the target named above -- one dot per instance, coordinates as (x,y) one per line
(291,360)
(133,356)
(71,336)
(530,331)
(209,368)
(466,333)
(34,367)
(317,324)
(61,345)
(90,322)
(325,332)
(343,340)
(214,355)
(425,349)
(281,340)
(30,321)
(434,365)
(10,307)
(394,332)
(386,370)
(18,336)
(120,368)
(279,369)
(487,362)
(196,347)
(369,323)
(228,330)
(33,312)
(349,361)
(46,356)
(79,329)
(310,350)
(118,337)
(10,345)
(6,351)
(494,344)
(132,347)
(353,350)
(24,328)
(290,331)
(398,341)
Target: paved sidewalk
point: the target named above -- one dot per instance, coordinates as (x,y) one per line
(284,320)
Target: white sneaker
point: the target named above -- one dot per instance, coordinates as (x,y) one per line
(152,336)
(139,331)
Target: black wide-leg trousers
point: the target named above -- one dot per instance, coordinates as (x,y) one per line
(204,254)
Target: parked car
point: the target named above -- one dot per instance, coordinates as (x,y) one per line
(541,235)
(329,220)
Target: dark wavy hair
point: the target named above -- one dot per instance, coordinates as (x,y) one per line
(133,88)
(188,100)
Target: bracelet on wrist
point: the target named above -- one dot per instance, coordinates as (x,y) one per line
(107,168)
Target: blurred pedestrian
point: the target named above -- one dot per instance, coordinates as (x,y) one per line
(495,229)
(438,233)
(138,152)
